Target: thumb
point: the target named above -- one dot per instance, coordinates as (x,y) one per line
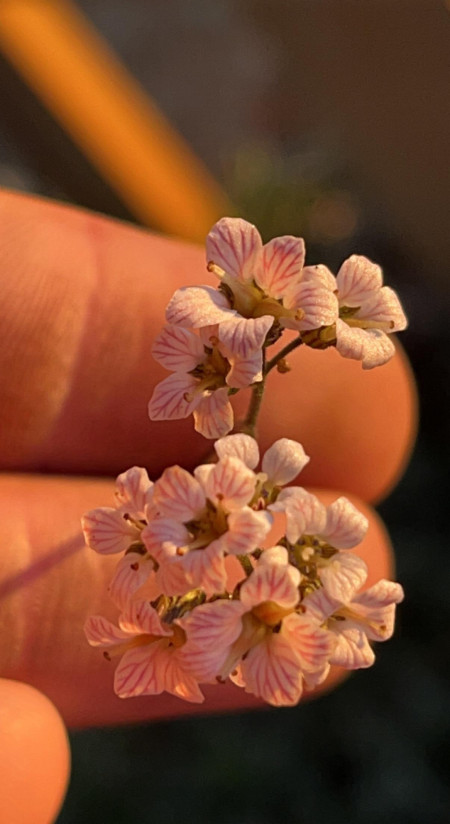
(34,756)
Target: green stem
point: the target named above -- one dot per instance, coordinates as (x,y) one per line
(249,425)
(282,354)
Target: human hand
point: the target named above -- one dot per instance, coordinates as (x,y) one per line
(83,299)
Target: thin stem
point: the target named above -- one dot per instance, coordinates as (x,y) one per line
(249,425)
(282,354)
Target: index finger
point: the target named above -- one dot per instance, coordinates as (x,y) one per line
(84,298)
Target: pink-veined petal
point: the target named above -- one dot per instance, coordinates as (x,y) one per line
(357,279)
(371,346)
(376,606)
(313,679)
(132,571)
(280,265)
(205,569)
(214,417)
(246,530)
(179,495)
(312,645)
(320,274)
(239,446)
(245,371)
(230,483)
(102,633)
(215,625)
(343,575)
(133,490)
(233,244)
(163,537)
(141,671)
(271,582)
(141,618)
(107,531)
(283,461)
(319,305)
(271,671)
(178,681)
(202,473)
(178,349)
(346,526)
(174,398)
(171,576)
(274,555)
(381,594)
(244,336)
(305,514)
(319,605)
(384,306)
(197,306)
(352,650)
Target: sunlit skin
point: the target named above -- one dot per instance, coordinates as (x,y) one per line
(83,299)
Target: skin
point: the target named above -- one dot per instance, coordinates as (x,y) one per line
(83,299)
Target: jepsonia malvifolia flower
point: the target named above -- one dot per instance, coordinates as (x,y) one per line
(203,519)
(150,651)
(318,536)
(260,285)
(110,530)
(368,313)
(356,620)
(204,372)
(263,640)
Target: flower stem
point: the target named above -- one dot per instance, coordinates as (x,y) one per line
(282,354)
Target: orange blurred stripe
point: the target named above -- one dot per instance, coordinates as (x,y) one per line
(115,124)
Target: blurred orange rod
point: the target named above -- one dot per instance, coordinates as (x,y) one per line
(120,130)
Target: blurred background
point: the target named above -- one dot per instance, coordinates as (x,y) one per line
(328,119)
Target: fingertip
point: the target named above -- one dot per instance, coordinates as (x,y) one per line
(34,756)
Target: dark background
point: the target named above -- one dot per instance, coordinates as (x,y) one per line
(329,120)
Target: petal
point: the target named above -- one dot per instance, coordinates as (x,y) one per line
(132,571)
(245,371)
(346,526)
(197,306)
(352,650)
(178,349)
(280,265)
(319,605)
(357,279)
(202,473)
(384,306)
(179,495)
(271,671)
(243,336)
(283,461)
(381,594)
(215,626)
(343,575)
(141,671)
(233,245)
(320,274)
(372,346)
(163,537)
(107,531)
(102,633)
(319,305)
(178,681)
(133,490)
(230,483)
(174,398)
(274,555)
(312,645)
(377,609)
(205,568)
(214,417)
(247,530)
(271,582)
(305,515)
(239,446)
(171,576)
(139,618)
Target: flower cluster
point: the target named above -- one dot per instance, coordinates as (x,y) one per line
(202,599)
(205,591)
(216,339)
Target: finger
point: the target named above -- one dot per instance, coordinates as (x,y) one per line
(83,299)
(52,583)
(34,756)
